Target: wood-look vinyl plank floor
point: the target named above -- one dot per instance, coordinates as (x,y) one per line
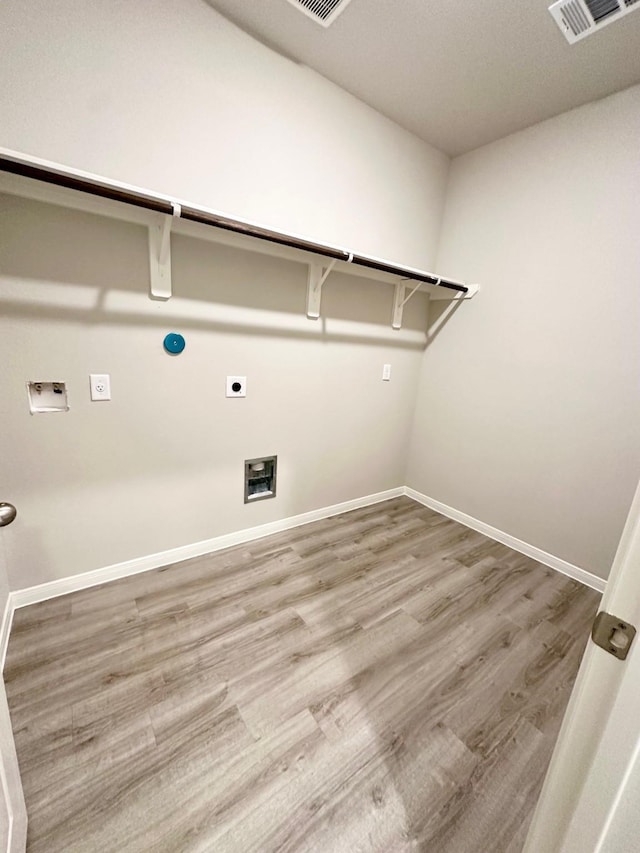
(383,680)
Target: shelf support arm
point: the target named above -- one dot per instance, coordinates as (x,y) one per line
(316,278)
(160,255)
(400,300)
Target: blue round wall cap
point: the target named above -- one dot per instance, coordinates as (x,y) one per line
(174,343)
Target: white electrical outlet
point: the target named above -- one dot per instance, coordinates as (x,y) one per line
(386,372)
(236,386)
(100,384)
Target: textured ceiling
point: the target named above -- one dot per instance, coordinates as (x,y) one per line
(458,73)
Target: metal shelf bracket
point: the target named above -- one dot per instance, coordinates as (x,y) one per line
(160,254)
(316,278)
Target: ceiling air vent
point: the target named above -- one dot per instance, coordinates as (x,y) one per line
(580,18)
(323,12)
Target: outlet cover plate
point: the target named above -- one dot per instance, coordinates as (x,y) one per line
(100,384)
(236,386)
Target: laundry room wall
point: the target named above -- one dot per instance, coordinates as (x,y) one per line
(176,99)
(529,406)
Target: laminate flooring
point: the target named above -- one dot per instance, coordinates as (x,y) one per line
(383,680)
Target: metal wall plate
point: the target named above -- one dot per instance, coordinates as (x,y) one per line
(260,478)
(612,634)
(7,513)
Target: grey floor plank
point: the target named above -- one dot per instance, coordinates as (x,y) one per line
(383,680)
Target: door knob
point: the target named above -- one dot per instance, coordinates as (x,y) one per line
(7,513)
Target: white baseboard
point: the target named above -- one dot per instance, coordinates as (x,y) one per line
(575,572)
(52,589)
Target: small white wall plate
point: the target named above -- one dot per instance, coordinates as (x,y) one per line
(236,386)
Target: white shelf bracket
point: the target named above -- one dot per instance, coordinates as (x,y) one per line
(160,254)
(399,301)
(316,278)
(448,295)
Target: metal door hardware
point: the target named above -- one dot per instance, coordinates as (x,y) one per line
(7,513)
(612,634)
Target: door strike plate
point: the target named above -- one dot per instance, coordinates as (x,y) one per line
(612,634)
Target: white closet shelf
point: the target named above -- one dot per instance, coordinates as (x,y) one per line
(41,180)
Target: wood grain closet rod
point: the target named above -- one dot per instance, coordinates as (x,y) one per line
(205,217)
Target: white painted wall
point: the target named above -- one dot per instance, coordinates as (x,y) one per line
(175,99)
(529,406)
(528,401)
(162,464)
(172,97)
